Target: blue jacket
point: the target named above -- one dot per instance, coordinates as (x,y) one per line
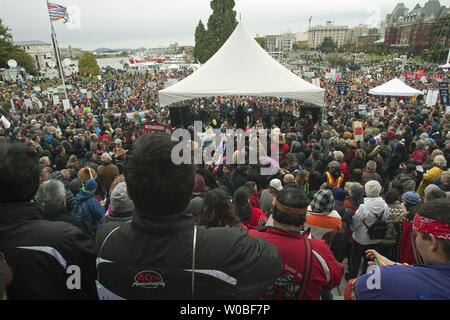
(48,137)
(89,209)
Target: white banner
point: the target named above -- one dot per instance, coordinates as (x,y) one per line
(55,100)
(28,103)
(89,95)
(5,122)
(66,104)
(129,114)
(12,105)
(432,96)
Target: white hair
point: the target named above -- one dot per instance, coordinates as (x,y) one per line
(43,159)
(51,195)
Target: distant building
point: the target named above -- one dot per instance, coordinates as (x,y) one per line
(283,42)
(40,51)
(272,42)
(317,34)
(69,52)
(301,38)
(187,49)
(355,32)
(277,55)
(404,28)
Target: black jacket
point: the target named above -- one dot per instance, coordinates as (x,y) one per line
(64,216)
(156,252)
(39,252)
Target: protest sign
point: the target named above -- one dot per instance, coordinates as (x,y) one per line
(28,103)
(443,92)
(358,133)
(66,104)
(342,88)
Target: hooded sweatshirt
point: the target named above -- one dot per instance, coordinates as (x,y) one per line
(367,213)
(89,209)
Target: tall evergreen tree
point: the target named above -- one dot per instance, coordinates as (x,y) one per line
(221,24)
(200,37)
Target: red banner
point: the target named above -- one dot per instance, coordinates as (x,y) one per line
(155,127)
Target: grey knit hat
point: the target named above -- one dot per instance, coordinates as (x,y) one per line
(373,188)
(120,201)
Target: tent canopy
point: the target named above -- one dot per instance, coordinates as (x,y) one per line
(242,68)
(445,66)
(396,88)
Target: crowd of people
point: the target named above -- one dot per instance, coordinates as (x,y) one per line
(89,187)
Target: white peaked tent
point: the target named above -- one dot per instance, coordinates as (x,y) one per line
(242,68)
(396,88)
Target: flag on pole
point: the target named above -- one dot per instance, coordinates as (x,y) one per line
(57,12)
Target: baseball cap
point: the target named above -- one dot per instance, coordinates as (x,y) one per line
(276,184)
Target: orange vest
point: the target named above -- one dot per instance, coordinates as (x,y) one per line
(335,183)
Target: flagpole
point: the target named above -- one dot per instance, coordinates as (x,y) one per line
(58,59)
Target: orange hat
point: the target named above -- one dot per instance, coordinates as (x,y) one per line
(120,152)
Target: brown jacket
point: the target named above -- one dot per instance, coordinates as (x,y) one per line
(106,174)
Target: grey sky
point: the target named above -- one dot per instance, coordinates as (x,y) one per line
(150,23)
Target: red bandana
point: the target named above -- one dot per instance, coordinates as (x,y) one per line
(439,229)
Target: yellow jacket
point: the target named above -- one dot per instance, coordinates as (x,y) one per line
(428,178)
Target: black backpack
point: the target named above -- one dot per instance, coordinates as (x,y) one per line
(378,229)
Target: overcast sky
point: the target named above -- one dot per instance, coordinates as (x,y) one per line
(150,23)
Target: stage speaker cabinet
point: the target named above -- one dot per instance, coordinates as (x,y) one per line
(186,116)
(176,117)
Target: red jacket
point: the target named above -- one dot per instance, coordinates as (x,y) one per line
(104,136)
(254,200)
(257,219)
(406,253)
(326,272)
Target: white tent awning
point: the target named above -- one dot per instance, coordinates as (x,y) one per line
(396,88)
(445,66)
(242,68)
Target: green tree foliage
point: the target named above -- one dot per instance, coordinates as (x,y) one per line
(436,49)
(88,65)
(221,24)
(5,106)
(261,41)
(335,60)
(9,51)
(200,37)
(328,45)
